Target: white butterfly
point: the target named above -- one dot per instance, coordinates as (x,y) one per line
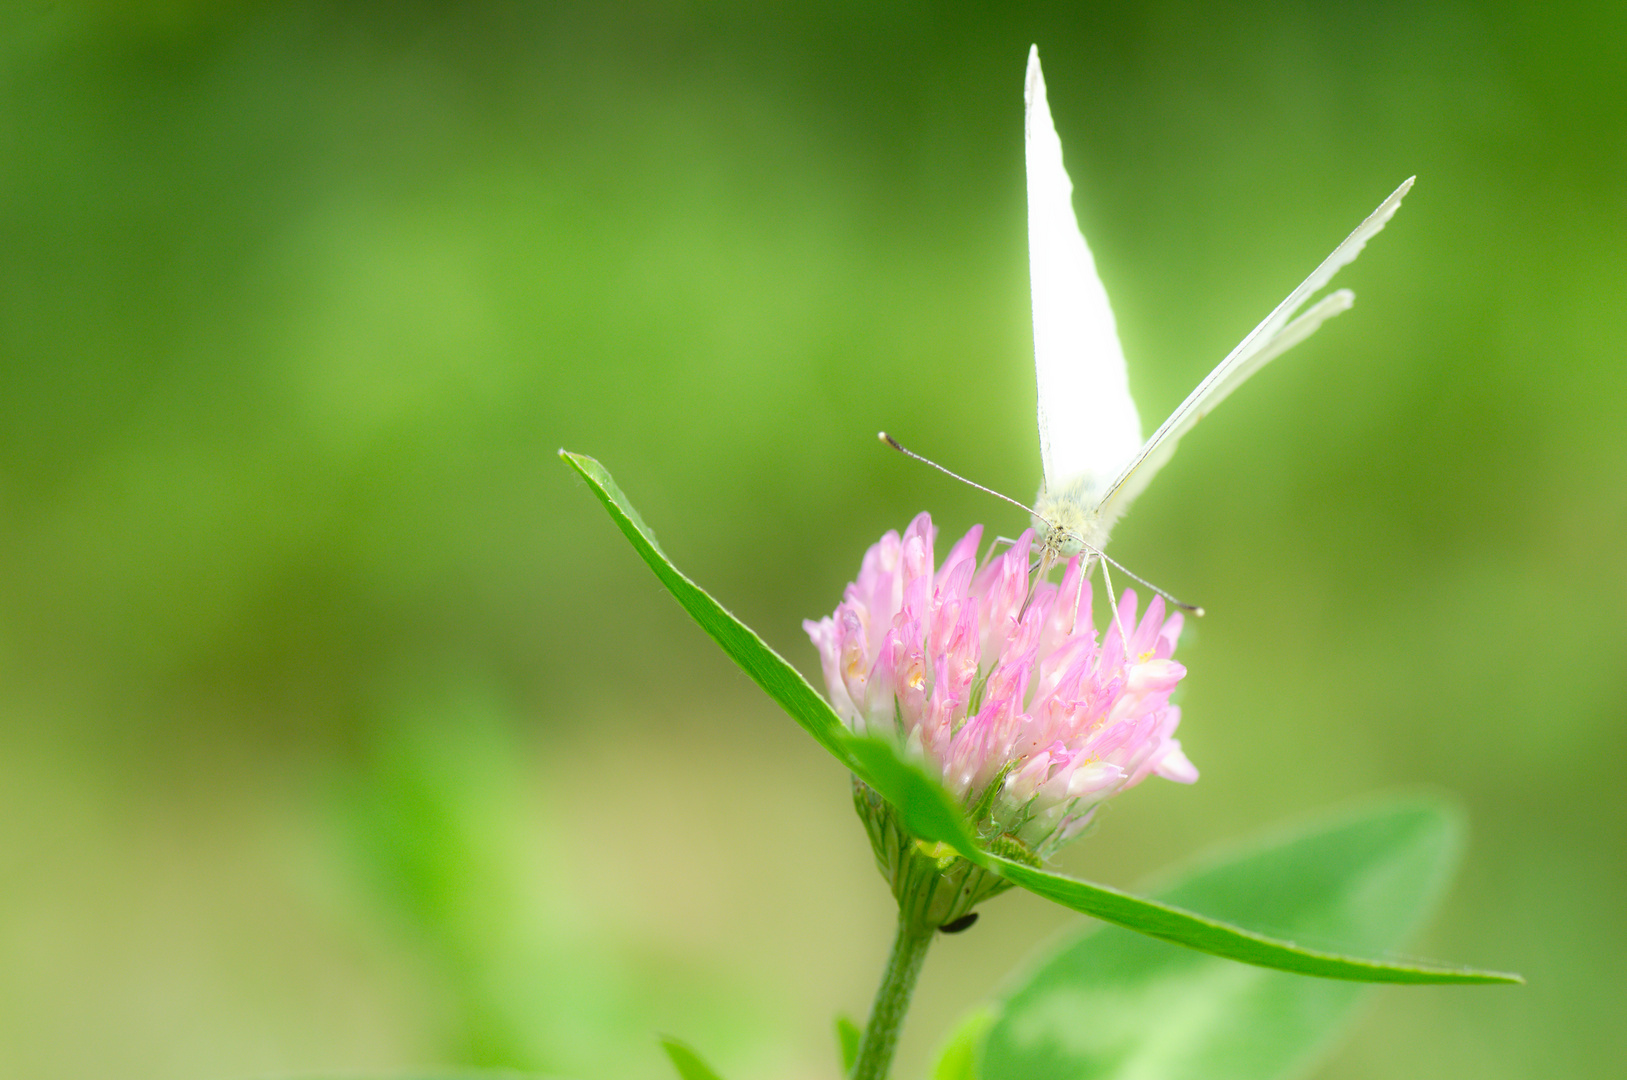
(1095,461)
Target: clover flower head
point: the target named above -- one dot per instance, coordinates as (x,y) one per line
(1000,685)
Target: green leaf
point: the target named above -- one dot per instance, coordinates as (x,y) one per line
(436,1074)
(927,812)
(847,1038)
(958,1058)
(927,809)
(686,1061)
(1176,924)
(767,668)
(1171,921)
(1107,1004)
(933,815)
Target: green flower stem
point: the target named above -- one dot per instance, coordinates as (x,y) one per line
(892,999)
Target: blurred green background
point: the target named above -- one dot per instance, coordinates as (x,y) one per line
(339,729)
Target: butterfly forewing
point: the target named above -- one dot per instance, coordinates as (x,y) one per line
(1088,426)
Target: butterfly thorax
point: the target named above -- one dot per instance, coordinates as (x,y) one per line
(1069,520)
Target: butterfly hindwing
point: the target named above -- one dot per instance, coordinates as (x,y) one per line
(1276,334)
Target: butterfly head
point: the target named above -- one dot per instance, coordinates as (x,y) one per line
(1070,521)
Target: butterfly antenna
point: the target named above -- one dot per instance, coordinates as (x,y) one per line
(902,449)
(907,452)
(1106,558)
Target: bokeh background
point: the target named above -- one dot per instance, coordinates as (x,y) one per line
(340,731)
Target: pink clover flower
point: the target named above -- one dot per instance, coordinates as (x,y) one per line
(994,680)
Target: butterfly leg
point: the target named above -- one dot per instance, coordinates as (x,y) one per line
(994,546)
(1036,574)
(1079,593)
(1105,559)
(1124,639)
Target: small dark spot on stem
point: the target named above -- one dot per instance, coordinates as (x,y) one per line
(955,926)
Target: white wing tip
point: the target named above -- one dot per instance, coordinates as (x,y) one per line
(1386,209)
(1034,82)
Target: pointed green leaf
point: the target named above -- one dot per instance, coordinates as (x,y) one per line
(435,1074)
(933,815)
(958,1058)
(1107,1004)
(928,811)
(847,1039)
(906,785)
(767,668)
(1173,923)
(686,1061)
